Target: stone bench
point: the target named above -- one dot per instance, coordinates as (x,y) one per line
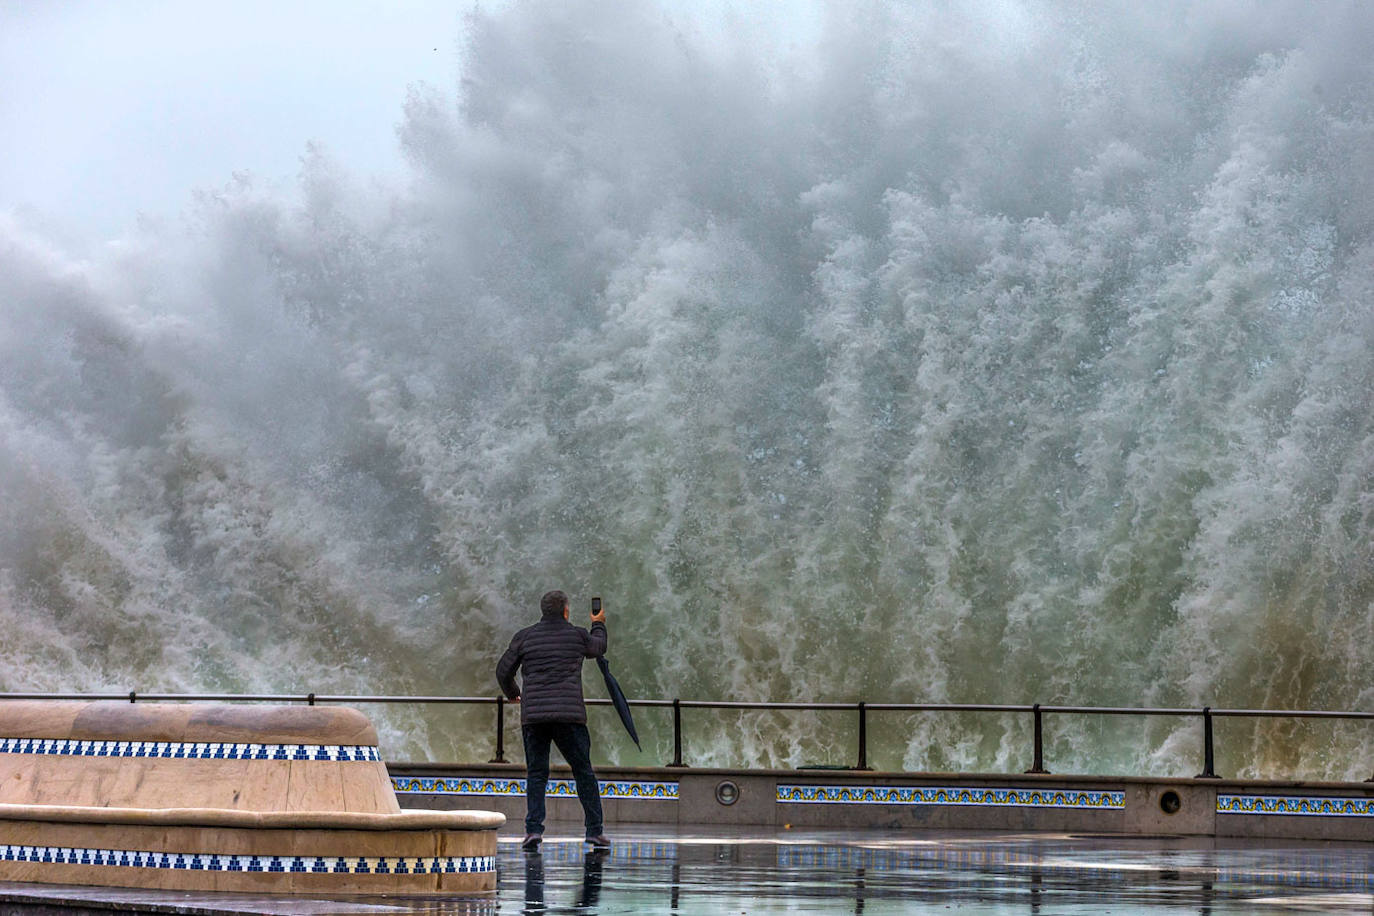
(266,799)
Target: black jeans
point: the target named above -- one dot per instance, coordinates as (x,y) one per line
(575,744)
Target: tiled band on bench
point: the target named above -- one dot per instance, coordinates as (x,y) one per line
(557,788)
(189,750)
(216,863)
(335,865)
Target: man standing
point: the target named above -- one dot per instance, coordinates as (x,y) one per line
(550,655)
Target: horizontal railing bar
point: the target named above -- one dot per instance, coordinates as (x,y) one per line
(761,704)
(246,698)
(1125,710)
(1292,714)
(716,704)
(944,707)
(1196,711)
(323,698)
(65,696)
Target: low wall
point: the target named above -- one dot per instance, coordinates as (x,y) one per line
(916,801)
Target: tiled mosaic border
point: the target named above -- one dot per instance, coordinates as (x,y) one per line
(952,795)
(189,750)
(1291,805)
(557,788)
(323,865)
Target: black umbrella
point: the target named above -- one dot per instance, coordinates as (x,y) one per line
(622,705)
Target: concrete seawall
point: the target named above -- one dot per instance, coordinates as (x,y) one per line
(1130,806)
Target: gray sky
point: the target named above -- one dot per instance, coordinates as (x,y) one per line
(108,109)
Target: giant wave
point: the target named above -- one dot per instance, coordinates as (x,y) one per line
(1000,353)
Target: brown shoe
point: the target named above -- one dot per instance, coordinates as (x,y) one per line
(532,841)
(599,842)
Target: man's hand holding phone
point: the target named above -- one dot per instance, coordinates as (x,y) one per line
(598,615)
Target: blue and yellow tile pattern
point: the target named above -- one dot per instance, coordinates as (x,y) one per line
(1302,806)
(953,795)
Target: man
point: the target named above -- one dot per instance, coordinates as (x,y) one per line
(550,655)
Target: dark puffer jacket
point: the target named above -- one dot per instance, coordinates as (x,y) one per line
(549,656)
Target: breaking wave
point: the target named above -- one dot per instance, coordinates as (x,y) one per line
(1009,353)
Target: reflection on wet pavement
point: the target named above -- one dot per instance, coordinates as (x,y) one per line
(888,872)
(700,871)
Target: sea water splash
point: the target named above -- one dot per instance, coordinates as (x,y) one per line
(998,353)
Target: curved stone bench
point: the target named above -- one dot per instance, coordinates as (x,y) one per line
(267,799)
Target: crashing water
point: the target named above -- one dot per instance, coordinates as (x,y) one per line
(1002,353)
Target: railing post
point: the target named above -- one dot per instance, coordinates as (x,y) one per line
(863,737)
(1038,757)
(500,731)
(1208,767)
(677,734)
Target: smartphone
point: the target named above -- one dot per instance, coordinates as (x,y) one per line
(596,605)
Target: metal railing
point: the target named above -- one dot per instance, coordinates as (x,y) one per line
(862,708)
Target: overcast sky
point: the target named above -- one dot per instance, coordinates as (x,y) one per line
(112,108)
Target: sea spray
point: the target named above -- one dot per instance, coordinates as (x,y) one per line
(1002,354)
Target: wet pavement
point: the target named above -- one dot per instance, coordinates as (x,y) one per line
(699,870)
(888,872)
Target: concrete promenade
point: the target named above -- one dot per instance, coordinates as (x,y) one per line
(692,871)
